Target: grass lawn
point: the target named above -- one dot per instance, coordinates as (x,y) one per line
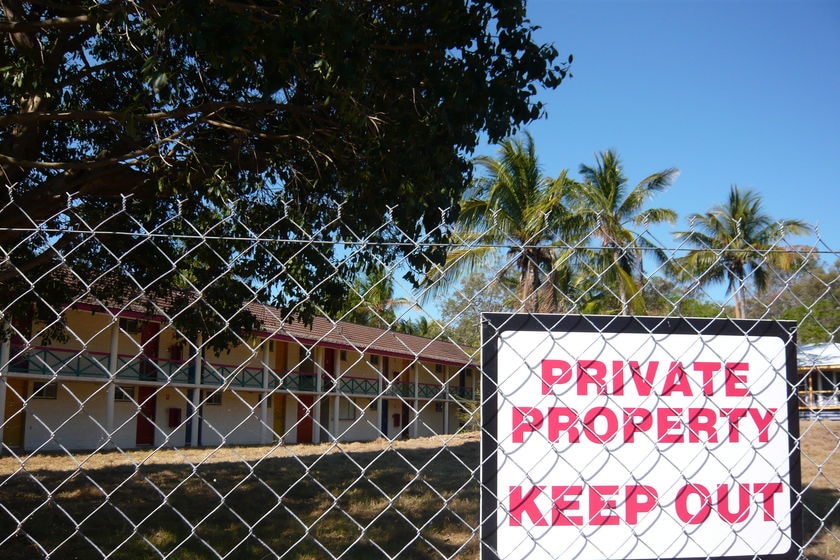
(410,499)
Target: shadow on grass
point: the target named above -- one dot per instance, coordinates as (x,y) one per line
(821,523)
(418,503)
(407,503)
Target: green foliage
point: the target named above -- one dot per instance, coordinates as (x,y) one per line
(516,210)
(670,297)
(371,300)
(245,120)
(612,211)
(476,294)
(737,242)
(809,295)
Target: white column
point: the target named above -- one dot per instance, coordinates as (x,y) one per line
(196,400)
(113,366)
(5,352)
(266,371)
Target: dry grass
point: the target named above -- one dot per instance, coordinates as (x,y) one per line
(409,499)
(820,459)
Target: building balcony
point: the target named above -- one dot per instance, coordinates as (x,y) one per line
(90,365)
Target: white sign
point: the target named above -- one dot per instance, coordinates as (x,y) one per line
(638,438)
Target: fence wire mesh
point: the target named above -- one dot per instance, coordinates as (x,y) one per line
(189,381)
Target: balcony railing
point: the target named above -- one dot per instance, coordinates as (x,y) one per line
(46,361)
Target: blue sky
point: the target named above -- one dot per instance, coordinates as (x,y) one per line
(739,92)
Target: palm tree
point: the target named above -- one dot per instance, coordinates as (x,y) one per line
(610,209)
(736,242)
(513,207)
(371,300)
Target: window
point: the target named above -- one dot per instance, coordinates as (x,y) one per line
(373,359)
(131,326)
(342,355)
(210,397)
(44,390)
(438,368)
(346,409)
(124,393)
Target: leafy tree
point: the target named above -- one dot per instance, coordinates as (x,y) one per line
(611,210)
(738,243)
(809,295)
(667,297)
(515,208)
(371,300)
(420,326)
(187,124)
(480,292)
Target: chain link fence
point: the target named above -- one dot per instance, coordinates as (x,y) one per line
(181,384)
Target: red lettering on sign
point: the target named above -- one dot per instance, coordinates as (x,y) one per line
(707,369)
(676,381)
(525,420)
(560,420)
(724,508)
(736,385)
(562,505)
(554,372)
(525,505)
(640,499)
(668,419)
(599,502)
(701,512)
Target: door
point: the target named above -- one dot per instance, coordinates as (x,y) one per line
(279,420)
(14,413)
(304,414)
(404,417)
(146,396)
(146,418)
(329,369)
(150,343)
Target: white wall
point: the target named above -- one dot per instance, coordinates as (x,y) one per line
(234,422)
(65,422)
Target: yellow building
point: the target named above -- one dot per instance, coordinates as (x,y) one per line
(124,379)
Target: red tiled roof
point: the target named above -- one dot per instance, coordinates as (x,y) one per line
(326,332)
(361,338)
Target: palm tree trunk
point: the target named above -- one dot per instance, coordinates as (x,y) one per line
(528,284)
(622,291)
(740,297)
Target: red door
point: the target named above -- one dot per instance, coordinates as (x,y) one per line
(146,419)
(304,427)
(329,368)
(150,343)
(146,397)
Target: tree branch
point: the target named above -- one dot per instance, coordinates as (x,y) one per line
(122,116)
(43,25)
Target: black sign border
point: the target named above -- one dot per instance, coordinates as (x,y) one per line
(494,324)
